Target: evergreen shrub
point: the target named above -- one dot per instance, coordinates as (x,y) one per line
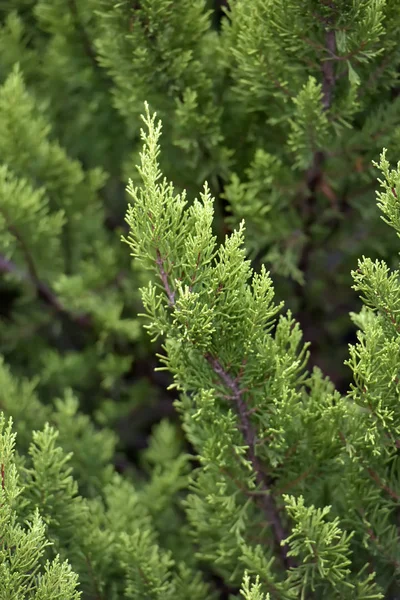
(247,465)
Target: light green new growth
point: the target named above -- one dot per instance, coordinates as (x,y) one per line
(115,537)
(252,591)
(23,573)
(240,371)
(260,424)
(284,488)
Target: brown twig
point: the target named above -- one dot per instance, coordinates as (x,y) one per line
(164,278)
(266,500)
(314,177)
(373,474)
(328,72)
(374,538)
(43,292)
(236,394)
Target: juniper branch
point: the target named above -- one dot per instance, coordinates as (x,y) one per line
(266,499)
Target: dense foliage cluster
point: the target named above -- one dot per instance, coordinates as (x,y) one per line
(247,465)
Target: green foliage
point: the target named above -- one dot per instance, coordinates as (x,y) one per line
(266,481)
(110,540)
(282,124)
(54,191)
(23,572)
(252,592)
(240,371)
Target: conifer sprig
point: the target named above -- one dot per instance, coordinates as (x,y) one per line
(264,482)
(219,347)
(182,265)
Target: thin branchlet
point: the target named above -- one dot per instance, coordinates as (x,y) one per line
(44,292)
(266,500)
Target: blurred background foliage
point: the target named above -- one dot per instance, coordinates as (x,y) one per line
(281,120)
